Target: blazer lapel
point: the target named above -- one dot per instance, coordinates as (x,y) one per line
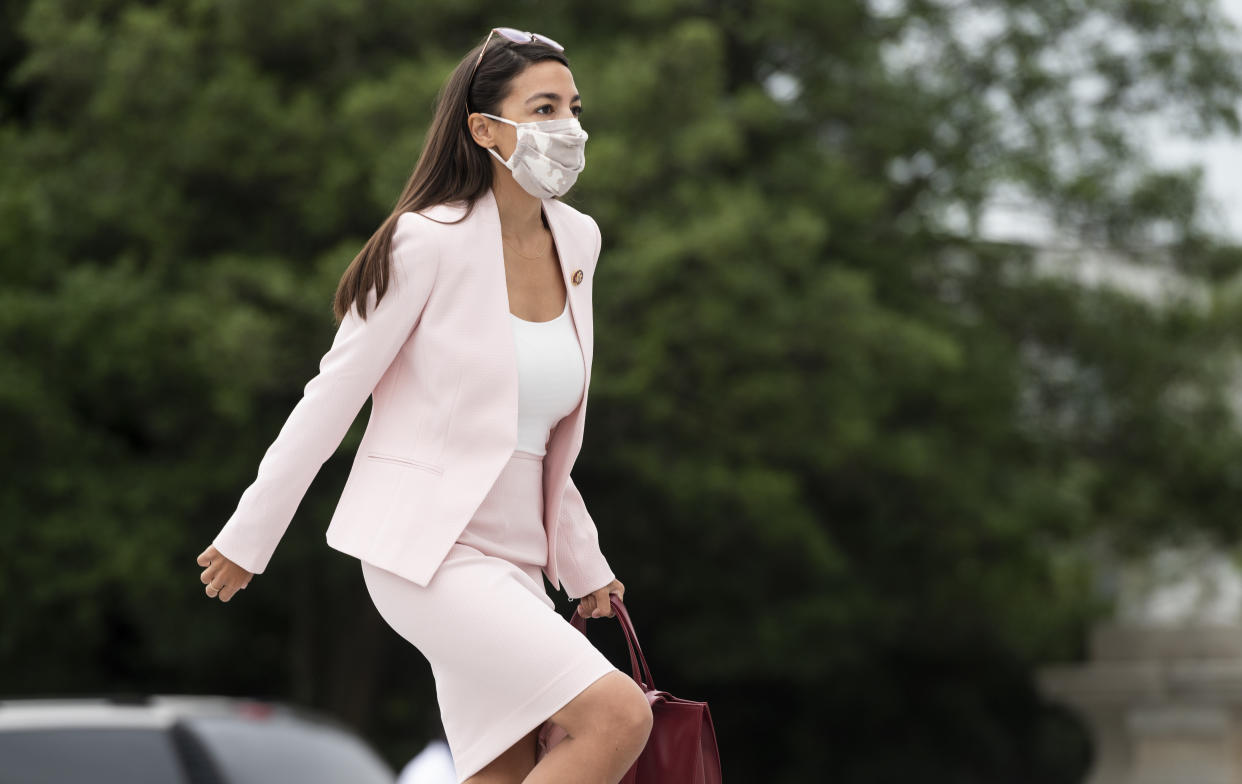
(570,255)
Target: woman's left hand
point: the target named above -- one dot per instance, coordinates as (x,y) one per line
(597,604)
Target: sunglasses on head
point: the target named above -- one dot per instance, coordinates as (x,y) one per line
(517,37)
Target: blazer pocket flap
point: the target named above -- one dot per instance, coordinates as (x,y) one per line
(407,461)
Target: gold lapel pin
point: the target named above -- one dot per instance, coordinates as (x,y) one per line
(577,277)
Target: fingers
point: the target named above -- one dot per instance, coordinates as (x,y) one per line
(228,591)
(213,588)
(588,606)
(222,578)
(211,571)
(223,589)
(598,604)
(603,605)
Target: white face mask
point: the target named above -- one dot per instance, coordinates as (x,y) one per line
(548,156)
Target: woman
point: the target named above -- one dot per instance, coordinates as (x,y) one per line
(467,319)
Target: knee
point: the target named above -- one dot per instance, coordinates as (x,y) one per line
(614,706)
(643,729)
(630,713)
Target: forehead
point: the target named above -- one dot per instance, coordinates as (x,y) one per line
(545,76)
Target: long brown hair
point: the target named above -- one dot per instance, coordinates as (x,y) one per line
(451,166)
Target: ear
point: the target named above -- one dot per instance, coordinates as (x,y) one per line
(481,130)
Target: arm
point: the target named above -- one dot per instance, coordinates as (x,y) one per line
(583,568)
(360,354)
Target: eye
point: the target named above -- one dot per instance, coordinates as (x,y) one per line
(548,106)
(577,110)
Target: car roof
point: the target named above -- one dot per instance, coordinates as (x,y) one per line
(156,711)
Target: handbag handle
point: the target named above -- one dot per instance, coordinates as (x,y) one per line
(631,640)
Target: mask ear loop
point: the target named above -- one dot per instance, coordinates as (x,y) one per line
(491,149)
(502,160)
(501,119)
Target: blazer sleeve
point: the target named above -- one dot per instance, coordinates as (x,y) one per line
(583,567)
(361,352)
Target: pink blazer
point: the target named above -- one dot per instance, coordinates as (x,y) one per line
(437,357)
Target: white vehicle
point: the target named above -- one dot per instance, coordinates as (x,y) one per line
(175,739)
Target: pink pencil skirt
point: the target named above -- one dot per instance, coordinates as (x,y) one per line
(503,659)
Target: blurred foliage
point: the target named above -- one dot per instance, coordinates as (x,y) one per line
(847,454)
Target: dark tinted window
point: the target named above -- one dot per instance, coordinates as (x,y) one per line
(70,756)
(261,752)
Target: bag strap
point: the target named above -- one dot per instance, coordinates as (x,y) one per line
(631,640)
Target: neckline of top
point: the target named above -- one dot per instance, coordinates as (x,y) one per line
(549,321)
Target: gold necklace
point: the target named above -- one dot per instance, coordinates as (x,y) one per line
(538,255)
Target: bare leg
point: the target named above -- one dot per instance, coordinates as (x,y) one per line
(511,766)
(608,725)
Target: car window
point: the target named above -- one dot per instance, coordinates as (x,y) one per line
(71,755)
(260,752)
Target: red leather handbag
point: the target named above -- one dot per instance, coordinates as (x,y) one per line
(682,746)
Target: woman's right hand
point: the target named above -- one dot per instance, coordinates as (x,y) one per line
(222,577)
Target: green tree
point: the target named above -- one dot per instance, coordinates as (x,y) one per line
(843,450)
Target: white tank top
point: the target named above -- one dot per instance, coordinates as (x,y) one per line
(551,375)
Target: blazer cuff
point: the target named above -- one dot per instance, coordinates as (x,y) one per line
(581,566)
(250,547)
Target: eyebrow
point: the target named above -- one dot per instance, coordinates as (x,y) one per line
(552,96)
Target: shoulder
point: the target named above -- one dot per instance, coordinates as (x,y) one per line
(446,213)
(416,243)
(412,229)
(434,224)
